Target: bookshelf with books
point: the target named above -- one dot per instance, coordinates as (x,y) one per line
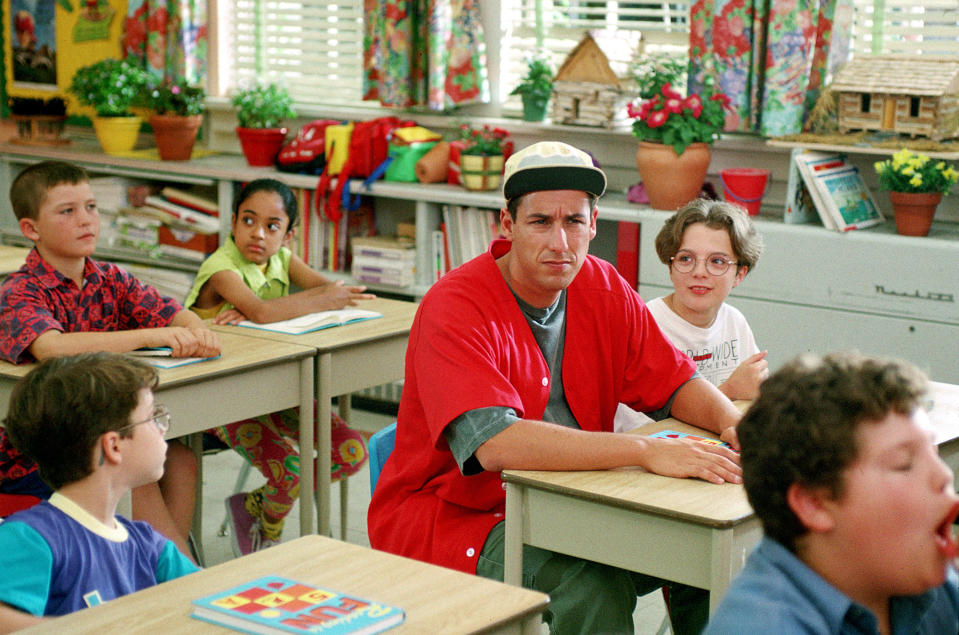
(813,289)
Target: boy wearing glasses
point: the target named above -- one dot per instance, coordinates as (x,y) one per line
(71,551)
(709,247)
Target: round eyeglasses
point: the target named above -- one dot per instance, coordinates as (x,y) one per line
(160,418)
(716,264)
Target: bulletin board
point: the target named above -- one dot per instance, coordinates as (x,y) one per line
(46,41)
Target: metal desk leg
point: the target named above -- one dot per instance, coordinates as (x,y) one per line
(306,446)
(513,540)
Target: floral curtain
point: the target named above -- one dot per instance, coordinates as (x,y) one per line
(424,53)
(169,37)
(770,58)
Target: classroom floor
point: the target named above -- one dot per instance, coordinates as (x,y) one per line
(219,476)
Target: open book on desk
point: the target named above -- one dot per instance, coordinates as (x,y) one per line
(314,321)
(162,357)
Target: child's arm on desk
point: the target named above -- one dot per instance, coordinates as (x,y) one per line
(186,336)
(12,619)
(319,294)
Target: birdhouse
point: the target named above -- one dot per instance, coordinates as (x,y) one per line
(907,94)
(594,83)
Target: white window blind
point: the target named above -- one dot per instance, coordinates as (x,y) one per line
(929,27)
(315,47)
(561,24)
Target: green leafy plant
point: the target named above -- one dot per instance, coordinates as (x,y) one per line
(538,81)
(263,106)
(483,141)
(177,97)
(110,86)
(907,171)
(663,115)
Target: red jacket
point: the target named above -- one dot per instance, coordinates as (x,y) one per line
(471,347)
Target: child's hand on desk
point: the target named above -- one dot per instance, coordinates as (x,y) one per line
(686,458)
(337,295)
(189,341)
(230,316)
(745,380)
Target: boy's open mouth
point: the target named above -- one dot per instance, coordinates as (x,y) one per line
(945,539)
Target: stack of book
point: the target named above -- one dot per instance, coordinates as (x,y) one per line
(384,260)
(824,184)
(467,233)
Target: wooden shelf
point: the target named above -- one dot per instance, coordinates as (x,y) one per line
(857,149)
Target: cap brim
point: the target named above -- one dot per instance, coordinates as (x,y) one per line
(555,177)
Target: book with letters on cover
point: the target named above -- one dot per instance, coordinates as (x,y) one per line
(272,604)
(314,321)
(809,163)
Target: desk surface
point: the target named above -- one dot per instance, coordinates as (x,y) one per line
(240,352)
(11,258)
(638,490)
(435,599)
(397,318)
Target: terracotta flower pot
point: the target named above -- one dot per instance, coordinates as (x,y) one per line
(261,145)
(175,135)
(913,211)
(672,180)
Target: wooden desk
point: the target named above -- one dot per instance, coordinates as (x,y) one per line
(252,377)
(11,259)
(348,358)
(435,599)
(685,530)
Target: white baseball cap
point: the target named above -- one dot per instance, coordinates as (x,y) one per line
(551,165)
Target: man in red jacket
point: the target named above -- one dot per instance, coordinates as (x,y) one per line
(485,391)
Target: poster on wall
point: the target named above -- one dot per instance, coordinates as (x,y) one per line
(33,35)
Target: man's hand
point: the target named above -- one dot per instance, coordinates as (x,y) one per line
(686,458)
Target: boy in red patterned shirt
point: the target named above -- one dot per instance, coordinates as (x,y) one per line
(62,302)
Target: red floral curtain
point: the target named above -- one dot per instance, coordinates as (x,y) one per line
(424,53)
(770,58)
(169,37)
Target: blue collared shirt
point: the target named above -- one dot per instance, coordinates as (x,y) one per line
(777,593)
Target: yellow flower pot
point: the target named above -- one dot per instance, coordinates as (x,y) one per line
(481,172)
(117,134)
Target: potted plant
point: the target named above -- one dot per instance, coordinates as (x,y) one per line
(260,111)
(177,114)
(110,86)
(535,88)
(482,156)
(39,121)
(916,184)
(674,131)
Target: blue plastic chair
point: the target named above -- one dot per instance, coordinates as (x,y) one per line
(380,446)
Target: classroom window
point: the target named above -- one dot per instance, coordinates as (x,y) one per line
(316,46)
(926,27)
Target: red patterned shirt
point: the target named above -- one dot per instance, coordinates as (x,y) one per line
(37,298)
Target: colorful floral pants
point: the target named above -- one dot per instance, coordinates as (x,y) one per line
(268,442)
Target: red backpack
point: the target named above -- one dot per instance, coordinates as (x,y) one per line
(305,154)
(366,158)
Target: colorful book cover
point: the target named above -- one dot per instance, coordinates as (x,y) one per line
(673,434)
(272,604)
(847,196)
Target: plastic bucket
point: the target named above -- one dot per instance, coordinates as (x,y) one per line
(745,186)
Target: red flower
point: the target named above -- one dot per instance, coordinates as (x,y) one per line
(674,104)
(657,119)
(669,93)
